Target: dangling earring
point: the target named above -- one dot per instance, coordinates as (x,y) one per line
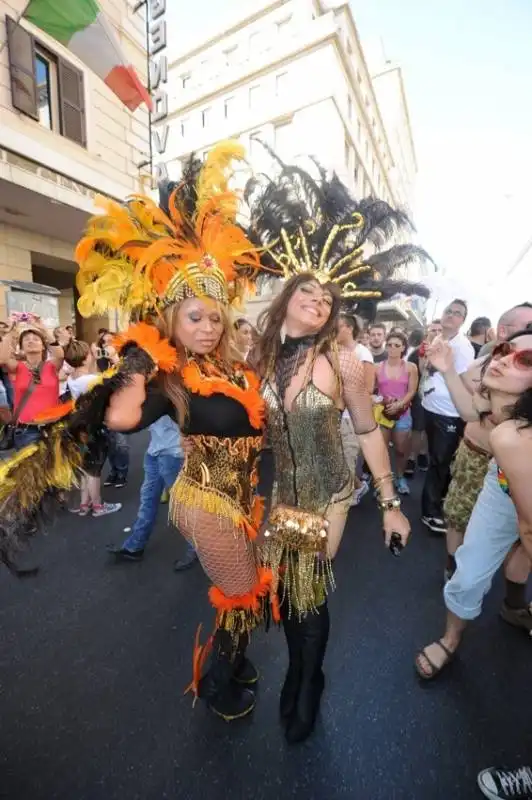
(283,332)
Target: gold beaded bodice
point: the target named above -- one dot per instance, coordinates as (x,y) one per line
(309,459)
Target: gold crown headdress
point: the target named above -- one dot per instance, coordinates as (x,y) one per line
(138,257)
(308,225)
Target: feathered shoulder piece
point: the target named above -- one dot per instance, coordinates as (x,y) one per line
(311,223)
(138,257)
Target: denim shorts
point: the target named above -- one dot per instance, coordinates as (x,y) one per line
(404,423)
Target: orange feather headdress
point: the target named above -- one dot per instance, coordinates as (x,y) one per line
(139,257)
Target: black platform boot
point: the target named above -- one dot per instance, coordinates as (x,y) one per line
(244,672)
(222,695)
(290,690)
(313,636)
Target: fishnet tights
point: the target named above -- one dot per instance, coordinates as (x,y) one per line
(225,552)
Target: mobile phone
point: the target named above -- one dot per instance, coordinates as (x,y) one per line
(396,545)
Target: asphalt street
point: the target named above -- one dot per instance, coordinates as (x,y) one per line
(94,658)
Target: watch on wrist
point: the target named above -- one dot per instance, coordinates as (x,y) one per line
(391,504)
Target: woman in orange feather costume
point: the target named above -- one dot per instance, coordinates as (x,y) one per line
(197,262)
(180,266)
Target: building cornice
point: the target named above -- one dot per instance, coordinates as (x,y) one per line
(203,44)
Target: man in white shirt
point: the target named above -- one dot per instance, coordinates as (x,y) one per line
(377,336)
(444,426)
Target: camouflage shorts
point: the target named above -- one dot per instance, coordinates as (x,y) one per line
(468,472)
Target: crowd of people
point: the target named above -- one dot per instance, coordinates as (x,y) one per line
(348,409)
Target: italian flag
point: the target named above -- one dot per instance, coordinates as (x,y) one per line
(81,26)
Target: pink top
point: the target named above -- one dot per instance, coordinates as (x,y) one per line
(395,388)
(44,395)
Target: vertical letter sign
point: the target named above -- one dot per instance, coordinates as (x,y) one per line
(156,10)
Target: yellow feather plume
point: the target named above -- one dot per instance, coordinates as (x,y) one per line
(131,253)
(216,174)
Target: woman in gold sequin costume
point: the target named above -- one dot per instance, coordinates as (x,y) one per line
(315,236)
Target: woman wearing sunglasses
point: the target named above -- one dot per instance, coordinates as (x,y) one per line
(396,382)
(492,530)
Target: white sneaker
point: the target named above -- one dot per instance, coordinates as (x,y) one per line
(435,524)
(359,493)
(105,508)
(506,784)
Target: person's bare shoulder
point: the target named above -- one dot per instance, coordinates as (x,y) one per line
(510,435)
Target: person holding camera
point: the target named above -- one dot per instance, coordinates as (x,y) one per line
(33,363)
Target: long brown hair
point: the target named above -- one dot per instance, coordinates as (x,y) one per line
(172,383)
(271,321)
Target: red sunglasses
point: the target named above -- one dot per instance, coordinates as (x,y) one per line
(521,358)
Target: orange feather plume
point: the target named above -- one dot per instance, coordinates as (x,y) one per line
(132,252)
(149,339)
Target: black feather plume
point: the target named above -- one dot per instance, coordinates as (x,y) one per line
(307,223)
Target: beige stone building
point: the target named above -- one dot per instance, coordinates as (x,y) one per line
(64,138)
(294,74)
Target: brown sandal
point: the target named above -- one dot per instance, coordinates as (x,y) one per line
(434,670)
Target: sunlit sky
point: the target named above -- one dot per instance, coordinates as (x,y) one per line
(468,74)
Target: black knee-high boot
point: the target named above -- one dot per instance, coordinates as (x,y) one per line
(244,672)
(223,696)
(310,636)
(290,690)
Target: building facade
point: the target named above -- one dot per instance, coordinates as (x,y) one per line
(64,138)
(293,74)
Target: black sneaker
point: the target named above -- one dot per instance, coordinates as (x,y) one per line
(120,481)
(436,524)
(423,462)
(121,554)
(188,560)
(410,468)
(503,784)
(110,480)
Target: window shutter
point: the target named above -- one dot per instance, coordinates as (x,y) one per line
(72,102)
(21,47)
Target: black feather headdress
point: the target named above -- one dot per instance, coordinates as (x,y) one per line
(307,224)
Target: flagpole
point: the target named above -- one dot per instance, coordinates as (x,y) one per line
(17,22)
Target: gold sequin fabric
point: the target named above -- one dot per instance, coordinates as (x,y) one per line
(228,466)
(309,459)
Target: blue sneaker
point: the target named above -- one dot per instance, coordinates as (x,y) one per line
(402,486)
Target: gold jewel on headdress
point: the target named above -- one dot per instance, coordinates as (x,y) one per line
(135,257)
(296,258)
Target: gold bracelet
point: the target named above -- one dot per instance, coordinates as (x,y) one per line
(390,504)
(377,482)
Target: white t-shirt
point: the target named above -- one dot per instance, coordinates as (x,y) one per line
(436,396)
(363,353)
(80,385)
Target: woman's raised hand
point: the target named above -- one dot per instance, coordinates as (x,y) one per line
(440,355)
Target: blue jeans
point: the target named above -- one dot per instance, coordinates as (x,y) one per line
(491,532)
(25,436)
(160,472)
(118,454)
